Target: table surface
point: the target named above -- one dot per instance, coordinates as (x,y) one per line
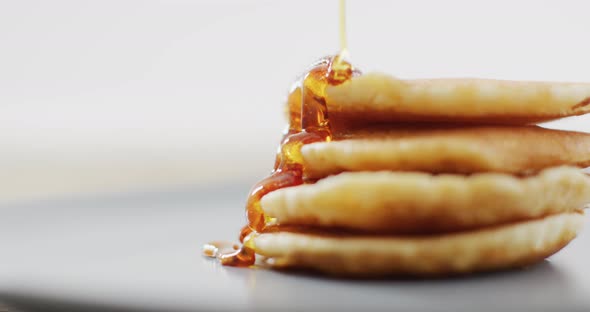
(141,251)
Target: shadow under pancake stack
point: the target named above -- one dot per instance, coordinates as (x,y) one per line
(421,177)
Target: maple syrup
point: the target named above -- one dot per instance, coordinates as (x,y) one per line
(308,123)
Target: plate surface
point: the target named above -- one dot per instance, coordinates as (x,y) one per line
(143,252)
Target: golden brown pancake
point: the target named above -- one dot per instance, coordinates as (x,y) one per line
(501,247)
(412,202)
(378,97)
(509,149)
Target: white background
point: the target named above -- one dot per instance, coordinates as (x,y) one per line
(102,96)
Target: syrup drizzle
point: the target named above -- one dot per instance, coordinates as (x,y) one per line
(308,123)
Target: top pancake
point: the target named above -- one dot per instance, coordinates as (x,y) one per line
(382,98)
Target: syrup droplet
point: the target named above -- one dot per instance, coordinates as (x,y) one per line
(213,249)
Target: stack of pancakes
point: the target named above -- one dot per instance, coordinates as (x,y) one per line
(428,177)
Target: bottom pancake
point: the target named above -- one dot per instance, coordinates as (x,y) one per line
(501,247)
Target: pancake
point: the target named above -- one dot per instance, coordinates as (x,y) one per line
(509,149)
(412,202)
(501,247)
(378,97)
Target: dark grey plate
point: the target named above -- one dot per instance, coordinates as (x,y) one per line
(142,252)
